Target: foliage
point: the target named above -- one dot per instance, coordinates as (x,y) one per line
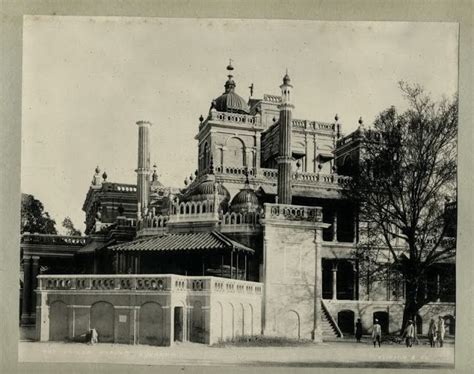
(70,229)
(33,217)
(406,174)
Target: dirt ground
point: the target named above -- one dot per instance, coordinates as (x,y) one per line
(329,354)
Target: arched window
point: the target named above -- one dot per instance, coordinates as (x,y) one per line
(235,153)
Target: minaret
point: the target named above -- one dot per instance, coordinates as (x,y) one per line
(285,158)
(143,169)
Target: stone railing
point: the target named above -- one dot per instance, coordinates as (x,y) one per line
(158,283)
(272,98)
(154,222)
(231,219)
(312,125)
(236,118)
(233,170)
(53,239)
(269,173)
(293,212)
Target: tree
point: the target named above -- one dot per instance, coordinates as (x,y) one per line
(33,217)
(70,229)
(406,173)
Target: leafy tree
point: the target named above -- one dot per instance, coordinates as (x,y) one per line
(406,173)
(70,229)
(33,217)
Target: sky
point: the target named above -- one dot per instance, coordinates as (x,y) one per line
(88,80)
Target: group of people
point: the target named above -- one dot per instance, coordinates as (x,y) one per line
(436,332)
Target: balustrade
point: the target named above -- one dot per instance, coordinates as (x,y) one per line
(235,118)
(166,283)
(293,212)
(53,239)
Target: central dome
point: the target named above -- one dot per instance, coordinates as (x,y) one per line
(229,101)
(232,103)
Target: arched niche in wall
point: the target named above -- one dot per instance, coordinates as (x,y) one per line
(235,152)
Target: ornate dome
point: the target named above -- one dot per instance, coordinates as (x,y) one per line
(246,200)
(205,192)
(229,101)
(232,103)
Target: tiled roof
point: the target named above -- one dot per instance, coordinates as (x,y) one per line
(183,242)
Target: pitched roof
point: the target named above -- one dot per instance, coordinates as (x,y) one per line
(183,242)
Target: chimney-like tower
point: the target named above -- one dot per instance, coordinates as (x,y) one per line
(285,158)
(143,169)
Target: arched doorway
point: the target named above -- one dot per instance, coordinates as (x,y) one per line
(102,319)
(382,317)
(197,331)
(58,321)
(151,324)
(289,325)
(345,320)
(450,325)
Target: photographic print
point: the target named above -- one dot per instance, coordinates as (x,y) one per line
(238,192)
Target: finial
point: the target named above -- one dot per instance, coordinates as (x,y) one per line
(201,118)
(251,89)
(104,176)
(186,181)
(191,177)
(230,67)
(274,119)
(97,169)
(246,173)
(361,121)
(154,176)
(336,117)
(286,78)
(298,164)
(195,172)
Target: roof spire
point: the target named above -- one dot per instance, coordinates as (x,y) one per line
(230,84)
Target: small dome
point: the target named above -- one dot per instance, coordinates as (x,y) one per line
(245,201)
(205,192)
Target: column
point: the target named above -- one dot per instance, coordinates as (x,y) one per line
(34,284)
(334,227)
(318,283)
(231,263)
(237,266)
(25,308)
(334,281)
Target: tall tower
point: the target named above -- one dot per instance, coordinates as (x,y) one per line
(285,158)
(143,169)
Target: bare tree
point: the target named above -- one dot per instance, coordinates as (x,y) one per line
(406,173)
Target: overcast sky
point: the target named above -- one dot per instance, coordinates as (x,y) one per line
(86,81)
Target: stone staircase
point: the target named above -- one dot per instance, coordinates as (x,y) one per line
(329,329)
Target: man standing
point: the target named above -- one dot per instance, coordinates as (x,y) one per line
(409,333)
(376,332)
(441,331)
(358,332)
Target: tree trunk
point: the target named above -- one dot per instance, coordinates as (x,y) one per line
(412,304)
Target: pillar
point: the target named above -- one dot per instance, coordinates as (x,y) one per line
(25,308)
(334,227)
(285,158)
(34,284)
(143,168)
(334,281)
(318,284)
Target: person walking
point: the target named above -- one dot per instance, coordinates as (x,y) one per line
(441,330)
(432,333)
(376,332)
(358,332)
(409,334)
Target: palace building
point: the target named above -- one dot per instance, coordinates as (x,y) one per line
(260,240)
